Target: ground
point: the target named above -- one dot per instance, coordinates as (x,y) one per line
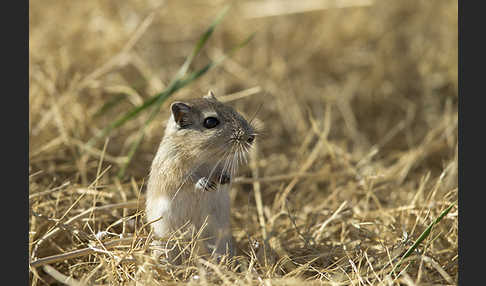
(357,156)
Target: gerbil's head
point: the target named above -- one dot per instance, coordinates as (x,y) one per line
(210,130)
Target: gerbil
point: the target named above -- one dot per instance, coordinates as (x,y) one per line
(189,180)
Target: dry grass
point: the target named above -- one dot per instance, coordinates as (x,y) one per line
(358,157)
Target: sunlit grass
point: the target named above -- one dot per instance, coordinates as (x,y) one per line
(352,182)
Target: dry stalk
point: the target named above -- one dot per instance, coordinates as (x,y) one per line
(79,252)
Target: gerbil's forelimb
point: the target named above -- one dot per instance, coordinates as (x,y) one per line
(210,182)
(204,184)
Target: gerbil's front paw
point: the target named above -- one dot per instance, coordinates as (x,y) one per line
(204,184)
(224,179)
(210,185)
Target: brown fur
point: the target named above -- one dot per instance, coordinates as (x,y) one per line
(188,153)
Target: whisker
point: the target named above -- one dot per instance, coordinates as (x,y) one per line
(254,115)
(237,153)
(190,173)
(214,169)
(245,157)
(231,154)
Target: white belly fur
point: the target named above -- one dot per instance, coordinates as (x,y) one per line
(195,207)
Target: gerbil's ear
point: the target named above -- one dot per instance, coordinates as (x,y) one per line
(180,111)
(210,95)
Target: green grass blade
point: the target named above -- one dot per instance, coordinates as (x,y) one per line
(110,104)
(197,74)
(136,144)
(202,41)
(422,237)
(177,84)
(173,86)
(127,116)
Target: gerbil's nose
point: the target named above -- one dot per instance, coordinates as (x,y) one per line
(250,139)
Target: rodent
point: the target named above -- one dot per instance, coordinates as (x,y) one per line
(204,142)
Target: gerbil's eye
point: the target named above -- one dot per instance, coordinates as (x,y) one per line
(210,122)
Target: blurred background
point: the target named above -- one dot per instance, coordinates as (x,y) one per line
(361,96)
